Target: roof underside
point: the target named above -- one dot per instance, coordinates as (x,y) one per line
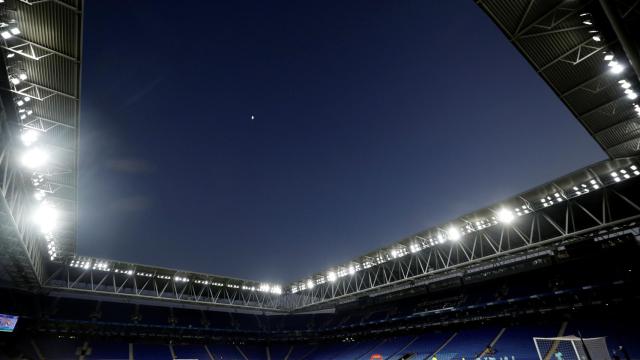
(48,49)
(557,38)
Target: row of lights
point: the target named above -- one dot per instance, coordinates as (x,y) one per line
(503,215)
(34,158)
(614,65)
(452,233)
(624,174)
(104,266)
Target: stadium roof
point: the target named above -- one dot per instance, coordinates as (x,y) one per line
(584,53)
(46,51)
(587,51)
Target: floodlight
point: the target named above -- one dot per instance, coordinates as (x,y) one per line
(34,158)
(29,136)
(608,57)
(441,239)
(631,94)
(453,234)
(14,80)
(331,276)
(310,284)
(616,67)
(505,216)
(22,76)
(14,31)
(352,270)
(39,195)
(19,102)
(6,35)
(46,217)
(596,38)
(624,84)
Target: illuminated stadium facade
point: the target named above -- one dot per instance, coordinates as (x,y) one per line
(586,51)
(580,48)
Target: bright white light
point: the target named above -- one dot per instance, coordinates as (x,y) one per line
(331,276)
(15,31)
(624,84)
(631,94)
(5,35)
(29,136)
(596,38)
(310,284)
(453,234)
(616,67)
(19,102)
(608,57)
(46,217)
(505,216)
(35,158)
(352,270)
(441,239)
(633,167)
(14,80)
(22,76)
(39,195)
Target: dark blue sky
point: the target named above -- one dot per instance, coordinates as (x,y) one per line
(373,120)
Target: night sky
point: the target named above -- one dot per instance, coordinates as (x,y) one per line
(373,120)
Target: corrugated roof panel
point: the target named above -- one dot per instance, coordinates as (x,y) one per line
(50,25)
(619,133)
(609,115)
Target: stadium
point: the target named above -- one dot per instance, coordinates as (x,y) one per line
(549,273)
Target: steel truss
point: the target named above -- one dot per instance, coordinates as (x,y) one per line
(162,284)
(593,215)
(583,217)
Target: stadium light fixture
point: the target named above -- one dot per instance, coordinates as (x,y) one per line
(29,136)
(331,276)
(505,216)
(352,270)
(39,195)
(616,67)
(46,217)
(6,35)
(35,158)
(453,234)
(310,284)
(624,84)
(14,80)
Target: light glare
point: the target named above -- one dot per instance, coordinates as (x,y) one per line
(505,216)
(35,158)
